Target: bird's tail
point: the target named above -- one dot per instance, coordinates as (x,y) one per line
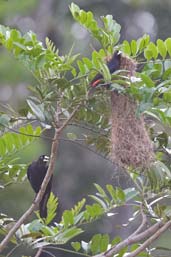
(43,204)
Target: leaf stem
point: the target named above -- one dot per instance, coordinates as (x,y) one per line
(67,250)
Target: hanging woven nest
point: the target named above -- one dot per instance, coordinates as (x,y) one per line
(130,142)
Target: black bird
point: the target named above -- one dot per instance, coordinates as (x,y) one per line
(113,65)
(35,173)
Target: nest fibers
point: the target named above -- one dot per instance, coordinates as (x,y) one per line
(131,145)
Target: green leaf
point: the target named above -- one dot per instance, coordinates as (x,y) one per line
(117,87)
(161,48)
(167,96)
(28,49)
(83,16)
(167,211)
(120,194)
(79,218)
(74,9)
(47,230)
(37,109)
(126,47)
(153,49)
(112,192)
(112,28)
(11,143)
(86,19)
(68,218)
(133,47)
(35,226)
(66,235)
(158,175)
(130,193)
(81,67)
(101,191)
(78,207)
(147,80)
(39,245)
(162,168)
(157,72)
(50,45)
(104,242)
(168,45)
(40,62)
(71,136)
(96,59)
(95,244)
(88,63)
(108,35)
(116,240)
(148,54)
(100,201)
(4,120)
(76,246)
(105,72)
(143,42)
(99,243)
(21,46)
(166,74)
(52,205)
(93,211)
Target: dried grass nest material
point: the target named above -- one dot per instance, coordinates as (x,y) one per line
(130,142)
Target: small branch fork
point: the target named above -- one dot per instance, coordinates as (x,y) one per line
(39,252)
(150,234)
(51,168)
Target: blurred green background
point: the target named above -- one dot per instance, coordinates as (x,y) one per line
(77,167)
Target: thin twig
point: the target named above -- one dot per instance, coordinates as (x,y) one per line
(154,61)
(143,223)
(91,129)
(131,240)
(39,252)
(67,250)
(28,135)
(150,240)
(13,249)
(71,116)
(49,253)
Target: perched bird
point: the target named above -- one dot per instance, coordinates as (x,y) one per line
(113,65)
(35,173)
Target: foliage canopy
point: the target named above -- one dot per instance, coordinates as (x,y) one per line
(65,81)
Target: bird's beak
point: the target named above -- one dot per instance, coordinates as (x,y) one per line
(46,158)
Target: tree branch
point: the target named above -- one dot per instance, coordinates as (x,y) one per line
(40,250)
(71,116)
(150,240)
(67,250)
(143,223)
(131,240)
(49,253)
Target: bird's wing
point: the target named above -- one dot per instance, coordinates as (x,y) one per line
(29,173)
